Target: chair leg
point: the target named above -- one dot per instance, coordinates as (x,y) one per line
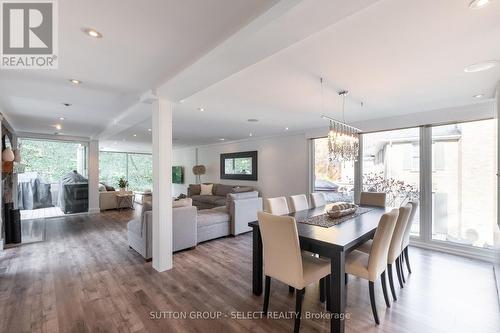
(401,267)
(398,272)
(391,282)
(266,295)
(407,260)
(328,300)
(291,289)
(384,289)
(372,301)
(346,278)
(298,310)
(322,290)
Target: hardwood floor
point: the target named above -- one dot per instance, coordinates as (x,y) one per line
(84,278)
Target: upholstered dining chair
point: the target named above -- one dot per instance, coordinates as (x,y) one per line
(406,237)
(284,261)
(276,206)
(372,199)
(395,250)
(372,266)
(298,203)
(317,199)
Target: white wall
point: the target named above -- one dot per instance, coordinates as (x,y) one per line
(185,157)
(282,163)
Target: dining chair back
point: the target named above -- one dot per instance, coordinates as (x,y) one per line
(276,206)
(317,199)
(298,203)
(399,230)
(372,199)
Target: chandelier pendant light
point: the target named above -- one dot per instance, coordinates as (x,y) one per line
(343,139)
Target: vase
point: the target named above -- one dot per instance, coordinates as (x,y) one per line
(122,190)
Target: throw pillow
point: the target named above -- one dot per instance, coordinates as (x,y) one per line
(206,189)
(102,188)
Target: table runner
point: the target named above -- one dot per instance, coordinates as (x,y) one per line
(326,221)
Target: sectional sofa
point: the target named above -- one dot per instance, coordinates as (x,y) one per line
(191,226)
(218,196)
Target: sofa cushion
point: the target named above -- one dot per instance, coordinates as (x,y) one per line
(209,199)
(194,189)
(221,201)
(213,216)
(206,189)
(223,190)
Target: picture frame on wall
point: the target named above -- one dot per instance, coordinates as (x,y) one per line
(239,166)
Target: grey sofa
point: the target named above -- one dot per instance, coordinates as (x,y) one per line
(191,226)
(218,197)
(184,230)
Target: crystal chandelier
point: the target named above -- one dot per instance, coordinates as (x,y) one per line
(343,139)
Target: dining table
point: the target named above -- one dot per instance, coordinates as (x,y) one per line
(333,242)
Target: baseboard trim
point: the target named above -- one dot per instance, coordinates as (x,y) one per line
(472,253)
(94,210)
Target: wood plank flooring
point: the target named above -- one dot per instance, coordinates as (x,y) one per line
(84,278)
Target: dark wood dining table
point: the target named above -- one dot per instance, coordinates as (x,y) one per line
(333,242)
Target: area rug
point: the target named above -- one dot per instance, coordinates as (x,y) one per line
(326,221)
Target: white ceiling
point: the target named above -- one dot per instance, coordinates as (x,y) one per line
(144,44)
(396,56)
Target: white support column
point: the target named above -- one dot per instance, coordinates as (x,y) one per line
(162,184)
(94,176)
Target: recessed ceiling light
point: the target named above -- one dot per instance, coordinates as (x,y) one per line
(61,118)
(221,139)
(481,66)
(75,82)
(251,134)
(66,104)
(286,128)
(135,134)
(149,129)
(58,127)
(92,33)
(478,96)
(182,101)
(201,109)
(476,4)
(252,120)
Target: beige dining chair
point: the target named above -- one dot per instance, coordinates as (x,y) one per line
(406,237)
(372,266)
(276,206)
(372,199)
(395,250)
(317,199)
(284,261)
(298,203)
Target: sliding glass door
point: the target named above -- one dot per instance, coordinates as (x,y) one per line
(391,164)
(464,183)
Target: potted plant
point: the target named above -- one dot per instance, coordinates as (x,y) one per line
(122,184)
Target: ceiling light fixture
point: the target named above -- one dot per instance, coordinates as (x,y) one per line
(62,118)
(222,139)
(251,134)
(477,4)
(66,104)
(481,66)
(58,127)
(182,101)
(343,139)
(201,109)
(75,82)
(286,128)
(252,120)
(92,33)
(149,129)
(135,134)
(478,96)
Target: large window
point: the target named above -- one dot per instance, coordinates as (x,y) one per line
(134,167)
(464,183)
(335,179)
(391,164)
